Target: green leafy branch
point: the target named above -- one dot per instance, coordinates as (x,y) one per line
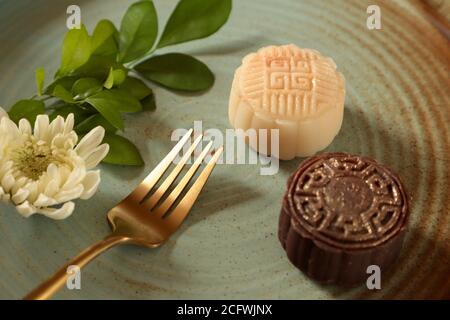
(99,78)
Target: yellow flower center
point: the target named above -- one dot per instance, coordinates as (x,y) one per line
(32,158)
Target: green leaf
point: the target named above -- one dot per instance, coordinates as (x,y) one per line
(109,80)
(76,50)
(97,67)
(111,102)
(79,114)
(63,94)
(28,109)
(149,103)
(65,82)
(122,151)
(118,100)
(103,41)
(138,31)
(85,87)
(195,19)
(103,105)
(119,76)
(115,78)
(40,77)
(177,71)
(93,122)
(136,87)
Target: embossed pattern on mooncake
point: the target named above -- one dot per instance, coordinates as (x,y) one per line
(296,91)
(348,201)
(287,81)
(342,213)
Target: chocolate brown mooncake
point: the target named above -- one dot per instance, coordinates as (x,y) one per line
(342,213)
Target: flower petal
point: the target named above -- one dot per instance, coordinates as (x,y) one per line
(3,113)
(57,126)
(25,126)
(44,201)
(53,172)
(70,194)
(51,188)
(74,178)
(71,140)
(97,155)
(58,213)
(90,142)
(20,196)
(32,187)
(8,182)
(3,195)
(21,182)
(9,127)
(68,126)
(90,184)
(25,209)
(5,168)
(41,127)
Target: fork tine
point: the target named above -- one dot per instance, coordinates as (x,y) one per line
(165,206)
(182,209)
(149,182)
(155,197)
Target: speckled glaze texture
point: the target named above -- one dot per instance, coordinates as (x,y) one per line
(397,111)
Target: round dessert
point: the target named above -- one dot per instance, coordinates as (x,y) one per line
(342,213)
(297,91)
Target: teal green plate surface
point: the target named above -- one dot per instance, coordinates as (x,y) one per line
(397,111)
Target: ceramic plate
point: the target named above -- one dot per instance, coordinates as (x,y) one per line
(397,111)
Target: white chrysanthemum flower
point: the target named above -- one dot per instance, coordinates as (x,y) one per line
(3,113)
(45,169)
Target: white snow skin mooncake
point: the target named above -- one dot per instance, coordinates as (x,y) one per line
(297,91)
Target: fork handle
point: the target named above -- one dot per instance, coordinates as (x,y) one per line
(53,284)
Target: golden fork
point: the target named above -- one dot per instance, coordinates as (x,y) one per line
(137,219)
